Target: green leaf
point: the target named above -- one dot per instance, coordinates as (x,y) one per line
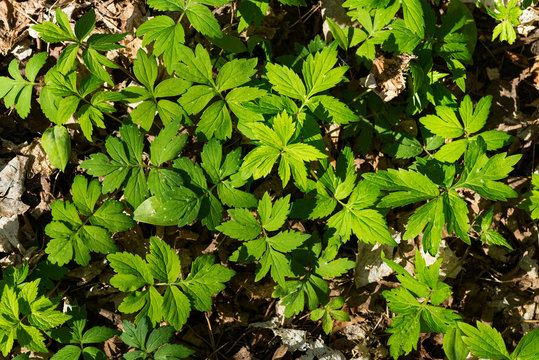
(206,279)
(110,216)
(454,346)
(164,263)
(235,73)
(159,337)
(145,69)
(195,67)
(445,124)
(407,186)
(484,341)
(85,195)
(35,64)
(242,227)
(57,144)
(124,166)
(85,25)
(216,121)
(285,81)
(176,307)
(203,20)
(168,144)
(318,71)
(167,36)
(98,334)
(527,348)
(413,16)
(94,61)
(173,351)
(481,172)
(167,5)
(132,271)
(68,352)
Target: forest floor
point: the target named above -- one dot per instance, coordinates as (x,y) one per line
(492,284)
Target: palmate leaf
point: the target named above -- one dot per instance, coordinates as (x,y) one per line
(447,125)
(144,337)
(71,238)
(22,301)
(17,90)
(481,172)
(74,334)
(272,252)
(167,37)
(216,120)
(413,312)
(278,143)
(185,196)
(124,167)
(484,341)
(181,294)
(145,69)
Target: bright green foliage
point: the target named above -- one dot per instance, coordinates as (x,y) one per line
(162,269)
(329,312)
(57,145)
(531,202)
(215,120)
(446,124)
(488,235)
(318,73)
(271,252)
(357,214)
(182,194)
(146,71)
(454,346)
(435,182)
(509,16)
(25,312)
(61,97)
(411,304)
(280,144)
(124,168)
(487,343)
(73,236)
(151,343)
(372,33)
(309,265)
(18,90)
(76,339)
(94,61)
(481,173)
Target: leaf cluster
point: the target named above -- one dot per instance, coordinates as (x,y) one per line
(146,280)
(78,228)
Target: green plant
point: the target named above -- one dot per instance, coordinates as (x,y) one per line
(531,202)
(77,339)
(25,312)
(151,343)
(487,343)
(411,304)
(18,91)
(73,237)
(228,140)
(508,15)
(329,312)
(438,183)
(162,270)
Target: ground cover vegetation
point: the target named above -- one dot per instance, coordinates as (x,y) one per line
(199,159)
